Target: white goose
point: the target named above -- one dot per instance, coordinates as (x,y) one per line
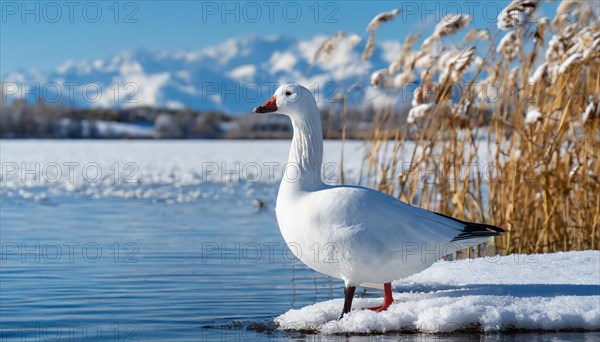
(353,233)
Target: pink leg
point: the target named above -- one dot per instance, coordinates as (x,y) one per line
(387,298)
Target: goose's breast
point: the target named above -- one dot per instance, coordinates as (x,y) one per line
(313,238)
(299,223)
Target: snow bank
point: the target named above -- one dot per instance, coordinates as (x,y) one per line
(559,291)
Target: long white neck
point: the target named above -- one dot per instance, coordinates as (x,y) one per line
(303,171)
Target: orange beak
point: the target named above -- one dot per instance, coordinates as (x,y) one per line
(267,107)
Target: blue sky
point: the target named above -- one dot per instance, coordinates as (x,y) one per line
(42,35)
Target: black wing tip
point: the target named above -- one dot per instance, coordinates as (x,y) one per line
(475,230)
(478,230)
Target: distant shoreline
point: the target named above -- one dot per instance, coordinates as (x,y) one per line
(21,120)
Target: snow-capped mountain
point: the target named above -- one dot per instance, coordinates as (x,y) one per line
(233,76)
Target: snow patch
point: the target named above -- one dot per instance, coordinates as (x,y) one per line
(110,128)
(243,73)
(559,291)
(282,61)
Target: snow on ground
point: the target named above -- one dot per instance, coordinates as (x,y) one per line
(559,291)
(120,129)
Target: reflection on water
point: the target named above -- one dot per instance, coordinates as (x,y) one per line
(77,268)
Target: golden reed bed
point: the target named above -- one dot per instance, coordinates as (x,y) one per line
(529,104)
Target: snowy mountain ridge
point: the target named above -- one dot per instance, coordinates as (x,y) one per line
(232,76)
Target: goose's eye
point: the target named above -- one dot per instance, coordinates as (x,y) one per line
(288,93)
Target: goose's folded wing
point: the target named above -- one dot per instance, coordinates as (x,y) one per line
(395,223)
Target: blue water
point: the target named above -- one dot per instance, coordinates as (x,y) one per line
(74,268)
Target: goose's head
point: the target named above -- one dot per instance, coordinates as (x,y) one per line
(290,99)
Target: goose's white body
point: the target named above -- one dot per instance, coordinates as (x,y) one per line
(352,233)
(363,236)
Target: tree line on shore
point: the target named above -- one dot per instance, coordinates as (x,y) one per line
(20,120)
